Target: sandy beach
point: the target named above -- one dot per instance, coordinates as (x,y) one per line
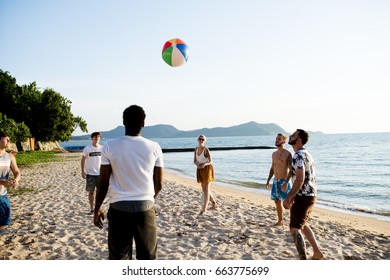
(50,221)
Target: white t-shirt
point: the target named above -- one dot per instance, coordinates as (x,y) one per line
(132,159)
(92,159)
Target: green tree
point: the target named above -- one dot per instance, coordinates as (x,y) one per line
(8,89)
(53,119)
(47,114)
(18,132)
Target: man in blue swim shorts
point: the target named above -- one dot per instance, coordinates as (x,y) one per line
(277,192)
(280,170)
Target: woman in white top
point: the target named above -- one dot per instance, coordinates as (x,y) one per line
(204,172)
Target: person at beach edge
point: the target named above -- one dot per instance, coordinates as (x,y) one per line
(7,164)
(280,170)
(133,167)
(300,200)
(204,172)
(90,166)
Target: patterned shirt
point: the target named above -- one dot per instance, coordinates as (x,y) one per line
(303,160)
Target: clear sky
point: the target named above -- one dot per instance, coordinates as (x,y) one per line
(317,65)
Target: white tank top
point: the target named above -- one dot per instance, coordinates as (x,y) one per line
(5,163)
(201,158)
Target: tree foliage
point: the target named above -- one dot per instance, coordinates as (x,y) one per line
(46,114)
(18,132)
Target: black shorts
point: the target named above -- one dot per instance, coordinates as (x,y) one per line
(300,210)
(123,227)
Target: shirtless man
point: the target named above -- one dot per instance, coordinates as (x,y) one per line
(280,169)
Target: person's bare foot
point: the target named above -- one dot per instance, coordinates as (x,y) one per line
(214,205)
(279,223)
(318,256)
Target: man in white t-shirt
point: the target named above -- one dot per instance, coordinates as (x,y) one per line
(133,165)
(90,167)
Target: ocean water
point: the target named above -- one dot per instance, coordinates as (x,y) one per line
(352,170)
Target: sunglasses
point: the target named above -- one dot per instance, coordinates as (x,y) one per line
(201,139)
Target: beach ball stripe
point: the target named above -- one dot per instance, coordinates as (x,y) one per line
(175,52)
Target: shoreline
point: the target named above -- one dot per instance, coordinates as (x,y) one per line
(51,222)
(346,193)
(341,211)
(361,221)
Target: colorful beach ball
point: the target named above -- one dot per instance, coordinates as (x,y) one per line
(175,52)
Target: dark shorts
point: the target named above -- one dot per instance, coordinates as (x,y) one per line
(123,227)
(5,211)
(92,181)
(300,210)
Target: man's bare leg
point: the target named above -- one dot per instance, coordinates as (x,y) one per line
(279,211)
(91,200)
(313,242)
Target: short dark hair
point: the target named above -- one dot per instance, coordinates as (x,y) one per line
(284,137)
(133,119)
(3,134)
(304,135)
(95,134)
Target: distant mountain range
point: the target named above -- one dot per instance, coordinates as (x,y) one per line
(169,131)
